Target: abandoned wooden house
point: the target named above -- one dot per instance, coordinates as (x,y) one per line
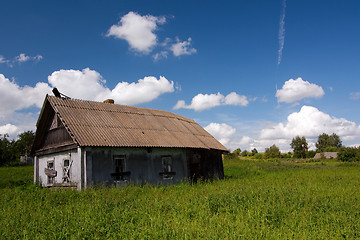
(81,143)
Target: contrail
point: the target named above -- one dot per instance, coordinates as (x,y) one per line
(281,32)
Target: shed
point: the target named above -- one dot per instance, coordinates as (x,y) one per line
(80,143)
(326,155)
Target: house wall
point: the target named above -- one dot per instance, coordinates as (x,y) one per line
(41,163)
(144,165)
(204,164)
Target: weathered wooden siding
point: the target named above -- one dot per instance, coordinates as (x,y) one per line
(204,164)
(56,138)
(144,165)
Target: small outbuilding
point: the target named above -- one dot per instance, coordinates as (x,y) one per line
(326,155)
(81,143)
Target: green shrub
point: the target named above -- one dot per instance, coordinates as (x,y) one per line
(258,156)
(349,154)
(272,152)
(310,154)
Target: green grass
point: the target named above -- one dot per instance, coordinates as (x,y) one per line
(16,176)
(257,200)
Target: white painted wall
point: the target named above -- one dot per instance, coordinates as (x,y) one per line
(75,170)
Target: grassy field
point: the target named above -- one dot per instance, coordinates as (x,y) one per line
(257,200)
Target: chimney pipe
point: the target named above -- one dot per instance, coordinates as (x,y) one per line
(111,101)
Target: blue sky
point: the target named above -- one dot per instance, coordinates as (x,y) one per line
(252,73)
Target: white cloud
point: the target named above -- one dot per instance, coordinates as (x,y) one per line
(86,84)
(13,97)
(281,32)
(294,90)
(206,101)
(9,129)
(221,131)
(2,59)
(137,30)
(355,95)
(182,48)
(160,55)
(89,84)
(145,90)
(308,122)
(22,58)
(236,99)
(37,58)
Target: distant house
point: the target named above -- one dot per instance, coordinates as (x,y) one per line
(80,143)
(326,155)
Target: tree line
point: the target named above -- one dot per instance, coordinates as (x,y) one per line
(300,147)
(10,150)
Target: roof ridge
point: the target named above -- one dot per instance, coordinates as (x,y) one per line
(146,111)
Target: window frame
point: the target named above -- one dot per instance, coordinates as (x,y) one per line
(120,172)
(167,167)
(50,180)
(66,171)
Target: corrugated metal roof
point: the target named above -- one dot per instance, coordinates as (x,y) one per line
(113,125)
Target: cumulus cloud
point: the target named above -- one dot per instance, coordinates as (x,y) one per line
(145,90)
(89,84)
(221,131)
(294,90)
(206,101)
(22,58)
(9,129)
(182,48)
(85,84)
(310,122)
(13,97)
(137,30)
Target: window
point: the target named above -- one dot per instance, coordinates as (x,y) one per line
(120,173)
(66,171)
(167,164)
(167,167)
(50,172)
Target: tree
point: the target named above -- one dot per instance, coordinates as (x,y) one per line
(10,150)
(245,153)
(325,141)
(349,154)
(254,151)
(24,142)
(237,152)
(6,150)
(299,146)
(272,152)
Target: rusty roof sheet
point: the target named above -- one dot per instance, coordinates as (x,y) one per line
(113,125)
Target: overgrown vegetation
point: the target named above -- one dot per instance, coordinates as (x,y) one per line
(10,150)
(258,199)
(349,154)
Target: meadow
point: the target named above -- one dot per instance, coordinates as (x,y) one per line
(258,199)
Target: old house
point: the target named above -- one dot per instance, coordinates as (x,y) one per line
(80,143)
